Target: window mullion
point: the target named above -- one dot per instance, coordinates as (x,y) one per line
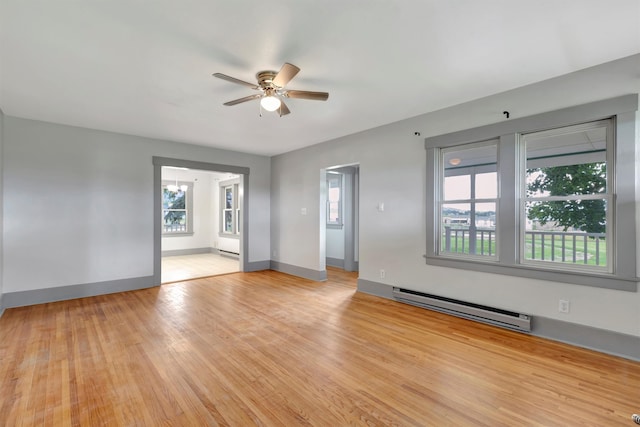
(434,193)
(622,178)
(507,215)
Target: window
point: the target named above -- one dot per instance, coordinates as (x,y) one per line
(230,208)
(334,199)
(228,211)
(468,202)
(177,212)
(550,196)
(565,197)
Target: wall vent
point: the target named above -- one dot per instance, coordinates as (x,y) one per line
(481,313)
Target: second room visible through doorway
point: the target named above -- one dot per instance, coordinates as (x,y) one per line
(201,223)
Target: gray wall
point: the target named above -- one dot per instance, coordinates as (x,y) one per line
(1,207)
(78,204)
(392,171)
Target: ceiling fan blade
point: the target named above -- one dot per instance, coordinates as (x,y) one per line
(283,110)
(305,94)
(234,80)
(286,73)
(245,99)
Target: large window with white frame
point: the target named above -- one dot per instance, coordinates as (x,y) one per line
(177,208)
(549,196)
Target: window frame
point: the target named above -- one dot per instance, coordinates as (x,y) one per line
(608,196)
(474,171)
(340,177)
(623,113)
(188,208)
(234,185)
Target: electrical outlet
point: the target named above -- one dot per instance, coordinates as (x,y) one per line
(382,274)
(563,306)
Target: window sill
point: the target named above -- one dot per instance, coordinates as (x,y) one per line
(187,234)
(229,235)
(335,226)
(607,281)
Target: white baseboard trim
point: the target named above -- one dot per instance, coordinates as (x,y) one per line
(191,251)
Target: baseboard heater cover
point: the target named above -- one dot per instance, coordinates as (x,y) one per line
(481,313)
(228,253)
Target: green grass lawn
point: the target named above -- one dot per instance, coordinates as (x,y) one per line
(596,250)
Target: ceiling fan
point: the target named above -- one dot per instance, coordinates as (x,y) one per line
(271,87)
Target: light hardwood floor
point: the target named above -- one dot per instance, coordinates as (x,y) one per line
(186,267)
(270,349)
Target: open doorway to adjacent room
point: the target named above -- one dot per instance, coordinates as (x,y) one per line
(341,224)
(201,220)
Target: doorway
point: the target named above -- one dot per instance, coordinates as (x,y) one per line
(200,230)
(342,213)
(200,219)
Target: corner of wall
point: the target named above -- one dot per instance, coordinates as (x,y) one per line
(1,209)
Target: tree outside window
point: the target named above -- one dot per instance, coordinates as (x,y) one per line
(564,209)
(567,196)
(176,212)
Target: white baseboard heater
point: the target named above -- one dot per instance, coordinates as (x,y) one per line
(481,313)
(228,253)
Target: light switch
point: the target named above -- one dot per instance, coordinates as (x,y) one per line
(303,211)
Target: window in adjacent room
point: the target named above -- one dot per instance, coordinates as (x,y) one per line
(334,199)
(230,208)
(177,212)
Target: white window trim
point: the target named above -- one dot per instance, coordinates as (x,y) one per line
(189,209)
(624,111)
(337,224)
(235,209)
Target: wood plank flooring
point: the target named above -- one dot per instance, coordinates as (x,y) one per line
(270,349)
(187,267)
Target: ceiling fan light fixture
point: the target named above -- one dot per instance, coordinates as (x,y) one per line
(271,90)
(270,103)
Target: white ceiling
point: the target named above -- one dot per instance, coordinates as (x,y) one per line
(144,67)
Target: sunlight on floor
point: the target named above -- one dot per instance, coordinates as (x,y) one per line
(184,267)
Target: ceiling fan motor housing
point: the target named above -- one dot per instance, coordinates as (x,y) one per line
(265,79)
(271,87)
